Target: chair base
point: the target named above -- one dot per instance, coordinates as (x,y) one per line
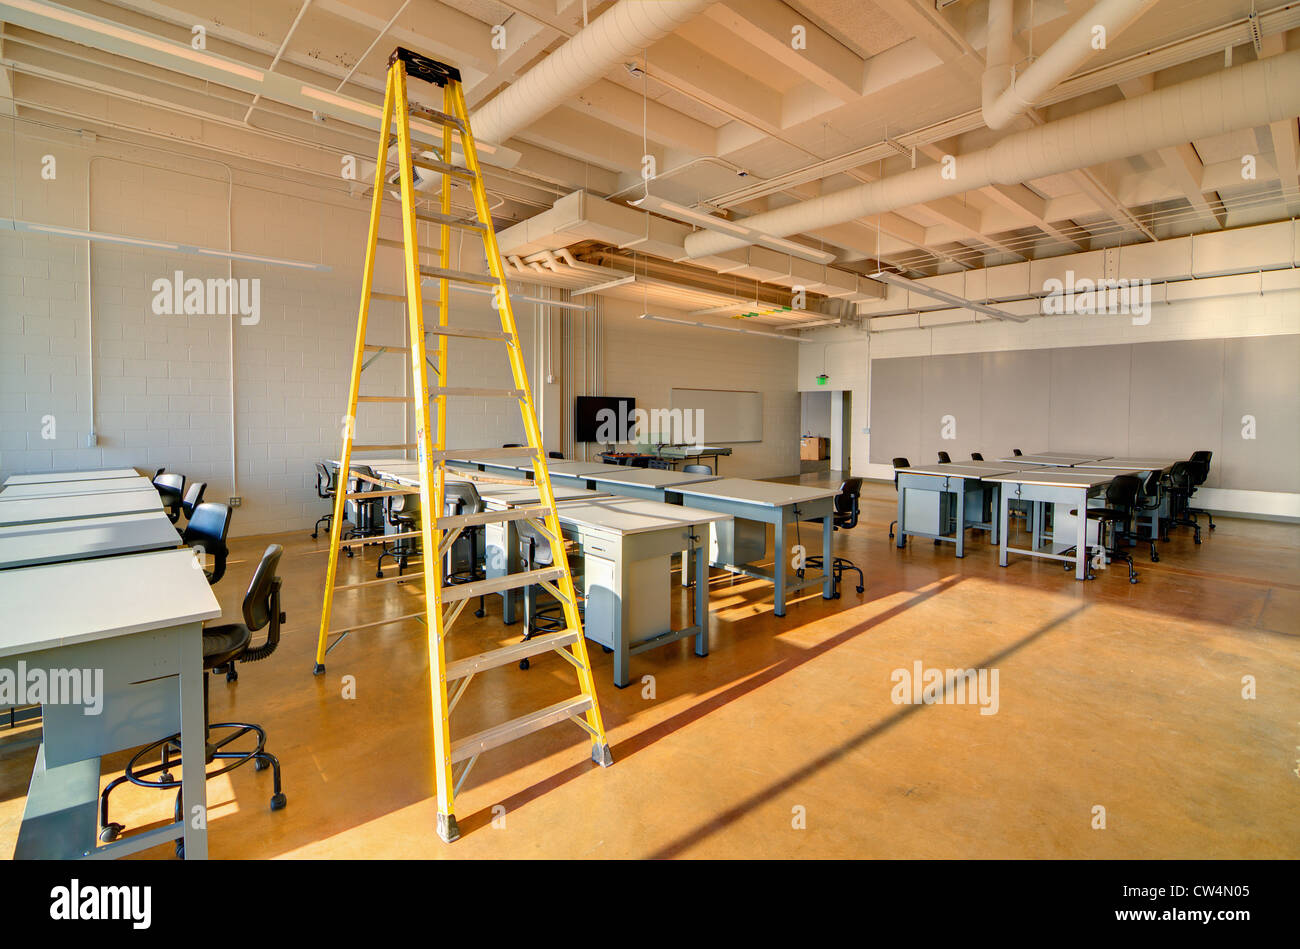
(839,566)
(327,520)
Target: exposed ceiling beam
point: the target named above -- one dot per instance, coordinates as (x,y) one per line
(687,68)
(1286,146)
(622,108)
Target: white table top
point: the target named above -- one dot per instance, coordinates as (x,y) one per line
(40,510)
(767,493)
(1141,463)
(647,477)
(53,477)
(59,541)
(633,515)
(114,596)
(1062,459)
(1065,477)
(63,489)
(557,466)
(974,470)
(500,496)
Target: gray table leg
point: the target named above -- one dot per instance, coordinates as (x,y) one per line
(961,520)
(828,558)
(1004,502)
(994,493)
(1081,538)
(622,658)
(194,795)
(701,599)
(1036,524)
(901,538)
(779,544)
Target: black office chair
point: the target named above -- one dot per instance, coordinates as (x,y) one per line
(697,469)
(401,511)
(1121,501)
(1017,452)
(1199,467)
(1179,486)
(326,487)
(461,497)
(976,456)
(223,646)
(641,461)
(171,488)
(661,464)
(206,533)
(944,458)
(898,463)
(512,445)
(536,553)
(1150,500)
(844,518)
(369,512)
(193,498)
(158,472)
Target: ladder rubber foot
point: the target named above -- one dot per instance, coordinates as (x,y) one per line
(601,755)
(319,670)
(448,829)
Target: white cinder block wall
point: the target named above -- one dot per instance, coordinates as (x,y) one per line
(165,390)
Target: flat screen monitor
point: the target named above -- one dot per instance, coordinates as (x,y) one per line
(592,413)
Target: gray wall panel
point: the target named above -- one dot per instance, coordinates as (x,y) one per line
(1015,412)
(1261,377)
(896,409)
(1090,398)
(952,387)
(1177,399)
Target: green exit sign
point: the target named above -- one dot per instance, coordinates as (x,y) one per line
(822,379)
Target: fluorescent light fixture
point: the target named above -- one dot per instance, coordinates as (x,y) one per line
(101,237)
(607,285)
(897,280)
(680,212)
(487,292)
(714,326)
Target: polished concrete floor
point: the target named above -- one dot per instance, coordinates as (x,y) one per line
(1116,703)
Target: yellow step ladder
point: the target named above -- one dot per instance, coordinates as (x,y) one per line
(444,602)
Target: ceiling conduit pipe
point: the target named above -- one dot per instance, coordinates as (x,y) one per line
(1257,93)
(1007,95)
(617,35)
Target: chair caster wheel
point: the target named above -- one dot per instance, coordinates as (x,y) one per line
(836,595)
(523,663)
(1132,579)
(379,574)
(278,801)
(480,614)
(110,832)
(260,764)
(313,535)
(319,670)
(180,849)
(861,589)
(1198,538)
(607,649)
(1155,558)
(166,777)
(232,675)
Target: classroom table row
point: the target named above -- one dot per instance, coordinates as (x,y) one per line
(97,590)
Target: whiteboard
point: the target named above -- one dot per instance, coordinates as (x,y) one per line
(728,415)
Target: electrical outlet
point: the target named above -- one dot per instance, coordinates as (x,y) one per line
(235,502)
(91,439)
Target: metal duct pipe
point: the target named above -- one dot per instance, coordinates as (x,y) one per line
(1006,96)
(1256,93)
(617,35)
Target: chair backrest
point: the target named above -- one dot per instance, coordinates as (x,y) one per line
(944,458)
(1017,452)
(1179,476)
(207,530)
(1123,491)
(899,462)
(170,483)
(976,456)
(1151,485)
(193,497)
(1197,470)
(1204,456)
(262,604)
(534,546)
(157,473)
(555,454)
(461,497)
(697,469)
(846,503)
(512,445)
(326,482)
(641,461)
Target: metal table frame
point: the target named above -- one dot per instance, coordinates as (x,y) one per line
(958,479)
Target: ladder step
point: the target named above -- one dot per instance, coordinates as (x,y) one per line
(433,115)
(379,622)
(511,581)
(469,454)
(436,391)
(385,398)
(458,276)
(442,168)
(401,447)
(386,493)
(453,521)
(497,735)
(395,578)
(435,217)
(382,348)
(467,332)
(379,538)
(506,655)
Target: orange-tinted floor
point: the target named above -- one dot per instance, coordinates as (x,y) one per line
(1127,698)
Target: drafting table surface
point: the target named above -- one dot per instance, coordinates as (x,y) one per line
(55,477)
(744,490)
(60,541)
(1066,477)
(114,596)
(63,489)
(958,470)
(648,477)
(41,510)
(1136,464)
(633,516)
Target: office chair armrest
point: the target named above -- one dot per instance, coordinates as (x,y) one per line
(218,566)
(256,653)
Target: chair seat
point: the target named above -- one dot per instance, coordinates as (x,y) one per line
(224,643)
(1103,514)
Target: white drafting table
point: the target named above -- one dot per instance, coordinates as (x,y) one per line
(1054,459)
(650,484)
(923,505)
(1052,486)
(139,619)
(764,502)
(55,477)
(567,470)
(627,546)
(58,541)
(42,510)
(64,489)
